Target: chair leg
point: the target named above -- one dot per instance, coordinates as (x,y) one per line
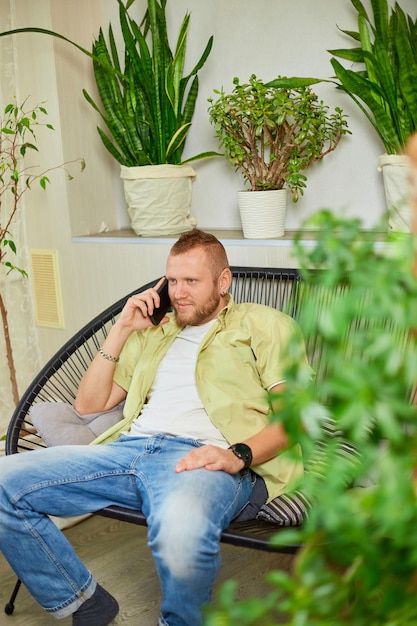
(9,608)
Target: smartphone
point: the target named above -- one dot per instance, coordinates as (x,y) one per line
(164,306)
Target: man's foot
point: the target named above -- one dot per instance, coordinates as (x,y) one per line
(99,610)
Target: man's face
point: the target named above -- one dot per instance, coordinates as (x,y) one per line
(195,297)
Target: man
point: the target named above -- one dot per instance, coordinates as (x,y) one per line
(196,418)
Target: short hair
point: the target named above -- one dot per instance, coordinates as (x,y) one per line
(215,251)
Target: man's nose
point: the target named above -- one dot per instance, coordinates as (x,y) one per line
(179,291)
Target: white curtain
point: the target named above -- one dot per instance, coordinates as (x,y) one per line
(15,289)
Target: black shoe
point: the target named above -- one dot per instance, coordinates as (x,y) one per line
(99,610)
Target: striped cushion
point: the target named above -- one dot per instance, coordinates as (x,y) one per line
(285,510)
(292,509)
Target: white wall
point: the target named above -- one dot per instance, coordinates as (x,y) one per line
(266,37)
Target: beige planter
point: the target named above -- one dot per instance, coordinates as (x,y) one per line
(158,198)
(396,175)
(263,213)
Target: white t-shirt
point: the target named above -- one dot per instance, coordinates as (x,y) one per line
(174,407)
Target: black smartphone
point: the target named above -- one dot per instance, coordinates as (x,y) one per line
(164,306)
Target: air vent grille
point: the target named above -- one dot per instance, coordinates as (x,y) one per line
(46,286)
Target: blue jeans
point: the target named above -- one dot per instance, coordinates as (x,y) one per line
(186,514)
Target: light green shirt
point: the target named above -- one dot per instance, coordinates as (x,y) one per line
(241,356)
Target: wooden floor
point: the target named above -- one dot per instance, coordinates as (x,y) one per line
(119,558)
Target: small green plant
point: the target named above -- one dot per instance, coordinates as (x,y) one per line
(19,124)
(383,79)
(357,566)
(272,132)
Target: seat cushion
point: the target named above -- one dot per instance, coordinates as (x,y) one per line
(58,423)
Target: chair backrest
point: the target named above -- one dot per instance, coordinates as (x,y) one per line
(59,378)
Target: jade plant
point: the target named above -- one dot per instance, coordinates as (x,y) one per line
(357,563)
(18,137)
(273,132)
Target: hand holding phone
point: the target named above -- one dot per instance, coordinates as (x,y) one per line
(164,305)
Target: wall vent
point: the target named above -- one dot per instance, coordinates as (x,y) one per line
(46,287)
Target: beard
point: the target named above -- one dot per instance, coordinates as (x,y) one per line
(197,315)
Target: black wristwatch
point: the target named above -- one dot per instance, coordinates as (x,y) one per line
(242,451)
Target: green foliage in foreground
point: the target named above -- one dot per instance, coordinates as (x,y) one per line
(359,560)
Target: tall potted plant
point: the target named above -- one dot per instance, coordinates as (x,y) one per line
(382,83)
(18,127)
(147,105)
(272,133)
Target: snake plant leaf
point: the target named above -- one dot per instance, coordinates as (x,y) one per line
(203,155)
(351,33)
(114,52)
(356,85)
(383,76)
(294,82)
(407,68)
(178,138)
(44,31)
(366,47)
(381,20)
(190,102)
(175,69)
(141,59)
(116,154)
(160,50)
(350,54)
(203,58)
(360,8)
(111,97)
(189,107)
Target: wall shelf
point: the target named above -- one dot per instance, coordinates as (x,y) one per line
(227,237)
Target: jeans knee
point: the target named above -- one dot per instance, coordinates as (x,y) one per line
(182,535)
(16,473)
(9,470)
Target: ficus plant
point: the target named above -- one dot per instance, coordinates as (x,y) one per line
(19,125)
(273,132)
(357,563)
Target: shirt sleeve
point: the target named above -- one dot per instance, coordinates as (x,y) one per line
(273,350)
(128,359)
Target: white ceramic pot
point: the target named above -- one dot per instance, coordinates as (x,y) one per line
(158,198)
(263,213)
(397,185)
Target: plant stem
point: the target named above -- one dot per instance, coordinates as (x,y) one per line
(9,353)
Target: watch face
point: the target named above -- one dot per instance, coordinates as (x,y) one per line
(244,452)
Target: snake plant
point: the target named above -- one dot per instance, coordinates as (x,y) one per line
(384,83)
(147,103)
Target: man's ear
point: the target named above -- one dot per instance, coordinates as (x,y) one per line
(225,280)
